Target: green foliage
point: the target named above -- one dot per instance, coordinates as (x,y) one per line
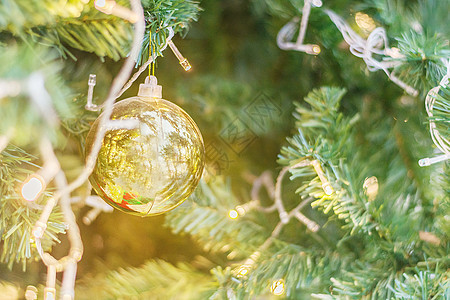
(18,15)
(19,217)
(106,37)
(422,284)
(400,15)
(74,24)
(161,14)
(303,271)
(424,68)
(206,95)
(71,24)
(366,248)
(325,134)
(207,220)
(154,280)
(18,112)
(391,222)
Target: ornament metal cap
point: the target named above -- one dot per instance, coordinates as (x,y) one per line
(150,88)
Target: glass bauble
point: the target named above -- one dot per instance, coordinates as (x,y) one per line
(152,168)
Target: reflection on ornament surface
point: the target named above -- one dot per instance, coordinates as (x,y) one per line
(152,168)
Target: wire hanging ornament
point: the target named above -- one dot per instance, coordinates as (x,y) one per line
(441,142)
(182,60)
(169,161)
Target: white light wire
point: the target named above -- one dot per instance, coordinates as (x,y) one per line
(286,33)
(441,142)
(274,192)
(69,262)
(376,43)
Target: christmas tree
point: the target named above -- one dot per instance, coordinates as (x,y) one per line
(325,136)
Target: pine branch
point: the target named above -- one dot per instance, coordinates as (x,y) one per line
(81,26)
(422,284)
(18,112)
(423,67)
(154,280)
(18,217)
(161,14)
(18,15)
(106,37)
(399,211)
(206,219)
(378,280)
(303,271)
(328,139)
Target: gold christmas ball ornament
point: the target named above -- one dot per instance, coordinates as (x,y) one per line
(154,166)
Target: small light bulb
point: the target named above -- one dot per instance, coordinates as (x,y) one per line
(233,214)
(100,3)
(31,293)
(370,187)
(49,294)
(316,49)
(327,188)
(278,287)
(317,3)
(365,22)
(240,210)
(183,61)
(242,271)
(33,187)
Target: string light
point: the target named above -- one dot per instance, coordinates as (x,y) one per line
(286,33)
(242,271)
(365,22)
(31,293)
(370,187)
(316,49)
(50,291)
(326,185)
(33,187)
(240,210)
(183,61)
(49,294)
(233,214)
(274,193)
(278,287)
(91,83)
